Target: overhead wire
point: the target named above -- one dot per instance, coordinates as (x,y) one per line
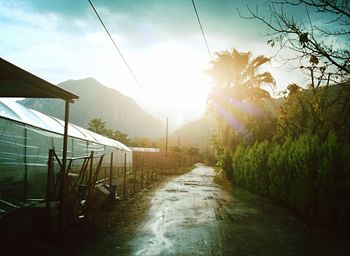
(201,27)
(116,47)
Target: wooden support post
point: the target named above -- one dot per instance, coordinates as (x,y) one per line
(111,171)
(25,189)
(91,170)
(111,176)
(49,179)
(147,176)
(91,188)
(134,169)
(63,167)
(124,182)
(142,168)
(105,168)
(48,199)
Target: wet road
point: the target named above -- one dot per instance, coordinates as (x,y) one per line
(192,215)
(183,217)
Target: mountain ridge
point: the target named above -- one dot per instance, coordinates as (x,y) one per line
(96,100)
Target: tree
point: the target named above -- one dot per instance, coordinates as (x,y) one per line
(322,47)
(237,71)
(238,88)
(120,136)
(319,111)
(98,125)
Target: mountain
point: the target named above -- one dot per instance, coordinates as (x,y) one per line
(98,101)
(196,132)
(200,131)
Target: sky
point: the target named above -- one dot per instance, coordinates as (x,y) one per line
(59,40)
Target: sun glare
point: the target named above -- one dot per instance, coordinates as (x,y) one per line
(175,78)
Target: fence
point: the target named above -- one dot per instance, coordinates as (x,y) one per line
(88,184)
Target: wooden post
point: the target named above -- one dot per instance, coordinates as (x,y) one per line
(25,189)
(49,179)
(63,167)
(134,169)
(111,174)
(105,168)
(147,176)
(142,168)
(124,186)
(91,169)
(48,199)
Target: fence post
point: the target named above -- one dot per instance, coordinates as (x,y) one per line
(142,168)
(124,182)
(48,199)
(134,169)
(49,179)
(25,166)
(91,169)
(147,174)
(111,177)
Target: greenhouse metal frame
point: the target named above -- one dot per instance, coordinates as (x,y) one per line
(26,136)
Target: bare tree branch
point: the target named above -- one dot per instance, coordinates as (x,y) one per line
(311,42)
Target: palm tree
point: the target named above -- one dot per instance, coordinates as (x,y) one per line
(238,87)
(238,72)
(97,125)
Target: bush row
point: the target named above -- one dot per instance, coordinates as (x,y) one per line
(308,174)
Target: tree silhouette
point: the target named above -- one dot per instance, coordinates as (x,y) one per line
(97,125)
(322,47)
(238,87)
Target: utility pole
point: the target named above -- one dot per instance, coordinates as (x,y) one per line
(166,139)
(178,141)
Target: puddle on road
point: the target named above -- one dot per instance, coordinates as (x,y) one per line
(191,183)
(173,198)
(182,224)
(176,190)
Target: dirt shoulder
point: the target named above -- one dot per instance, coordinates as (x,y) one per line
(109,231)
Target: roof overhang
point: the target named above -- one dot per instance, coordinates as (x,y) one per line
(18,83)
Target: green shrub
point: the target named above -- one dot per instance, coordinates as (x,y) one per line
(307,173)
(225,163)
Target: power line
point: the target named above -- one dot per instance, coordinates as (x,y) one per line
(200,25)
(116,47)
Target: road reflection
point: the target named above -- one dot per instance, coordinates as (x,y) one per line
(182,218)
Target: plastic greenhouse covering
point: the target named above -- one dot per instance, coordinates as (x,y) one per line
(25,139)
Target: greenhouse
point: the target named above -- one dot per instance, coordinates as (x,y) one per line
(26,136)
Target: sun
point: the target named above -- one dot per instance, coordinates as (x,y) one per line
(175,77)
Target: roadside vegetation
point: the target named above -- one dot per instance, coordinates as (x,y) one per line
(178,158)
(295,149)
